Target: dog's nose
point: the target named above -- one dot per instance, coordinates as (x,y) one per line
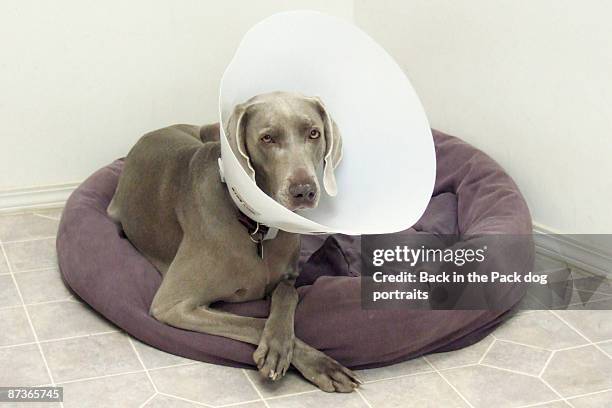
(303,192)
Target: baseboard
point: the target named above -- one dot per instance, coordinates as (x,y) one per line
(570,249)
(35,197)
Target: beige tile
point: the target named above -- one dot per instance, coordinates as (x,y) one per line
(584,297)
(4,269)
(154,358)
(423,390)
(465,356)
(66,319)
(164,401)
(529,303)
(254,404)
(22,365)
(599,400)
(26,226)
(31,405)
(596,325)
(539,329)
(555,404)
(601,304)
(544,264)
(291,383)
(8,292)
(591,282)
(606,347)
(486,387)
(55,213)
(418,365)
(516,357)
(579,371)
(127,390)
(41,286)
(90,356)
(31,254)
(16,328)
(206,383)
(318,399)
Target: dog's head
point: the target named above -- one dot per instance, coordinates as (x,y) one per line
(282,140)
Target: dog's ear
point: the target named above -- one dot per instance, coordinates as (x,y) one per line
(333,149)
(236,134)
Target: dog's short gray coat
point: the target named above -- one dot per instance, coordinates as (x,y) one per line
(174,208)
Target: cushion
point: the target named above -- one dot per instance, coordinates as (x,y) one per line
(472,196)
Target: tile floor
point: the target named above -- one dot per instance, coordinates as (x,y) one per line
(549,359)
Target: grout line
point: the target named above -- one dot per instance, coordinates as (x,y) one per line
(539,404)
(43,269)
(556,392)
(459,366)
(60,339)
(548,360)
(124,373)
(363,398)
(11,307)
(148,400)
(255,387)
(20,241)
(589,393)
(40,350)
(293,394)
(525,345)
(9,213)
(29,343)
(45,216)
(508,370)
(238,404)
(448,382)
(80,336)
(402,376)
(185,399)
(174,365)
(46,302)
(582,335)
(573,347)
(98,377)
(142,363)
(487,350)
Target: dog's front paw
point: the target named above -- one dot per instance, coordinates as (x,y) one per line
(323,371)
(273,356)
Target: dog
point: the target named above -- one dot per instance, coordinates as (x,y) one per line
(175,209)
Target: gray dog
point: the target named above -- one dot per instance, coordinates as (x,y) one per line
(174,208)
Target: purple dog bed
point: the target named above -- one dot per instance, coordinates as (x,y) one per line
(473,195)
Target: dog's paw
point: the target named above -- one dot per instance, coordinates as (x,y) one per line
(325,372)
(273,356)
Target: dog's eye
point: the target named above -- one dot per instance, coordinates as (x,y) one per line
(315,134)
(267,139)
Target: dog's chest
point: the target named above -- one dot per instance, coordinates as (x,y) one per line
(254,276)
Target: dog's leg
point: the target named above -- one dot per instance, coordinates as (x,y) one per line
(275,350)
(179,302)
(315,366)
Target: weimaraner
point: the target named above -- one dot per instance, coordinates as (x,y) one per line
(175,209)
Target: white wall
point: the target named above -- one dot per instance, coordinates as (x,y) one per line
(80,81)
(529,82)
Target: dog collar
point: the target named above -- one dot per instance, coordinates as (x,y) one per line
(257,232)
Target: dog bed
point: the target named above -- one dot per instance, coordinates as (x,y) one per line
(472,196)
